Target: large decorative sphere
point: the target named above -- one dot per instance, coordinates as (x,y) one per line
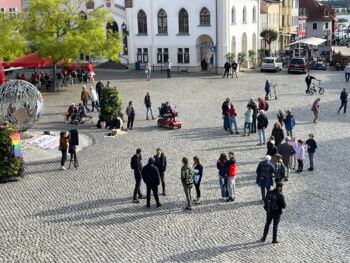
(21,104)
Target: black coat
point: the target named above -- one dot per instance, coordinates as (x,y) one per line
(271,149)
(344,96)
(136,163)
(262,121)
(225,107)
(160,162)
(278,134)
(281,203)
(150,175)
(254,107)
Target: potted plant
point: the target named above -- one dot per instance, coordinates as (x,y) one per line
(252,58)
(241,59)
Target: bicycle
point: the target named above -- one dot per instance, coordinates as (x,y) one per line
(314,87)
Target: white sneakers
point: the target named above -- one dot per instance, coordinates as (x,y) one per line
(63,168)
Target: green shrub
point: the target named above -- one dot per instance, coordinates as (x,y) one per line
(111,104)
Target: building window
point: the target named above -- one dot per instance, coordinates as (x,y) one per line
(183,21)
(326,12)
(233,15)
(244,15)
(12,10)
(326,25)
(183,55)
(205,16)
(162,55)
(2,10)
(142,22)
(142,55)
(314,26)
(162,22)
(254,14)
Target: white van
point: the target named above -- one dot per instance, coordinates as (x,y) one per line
(271,64)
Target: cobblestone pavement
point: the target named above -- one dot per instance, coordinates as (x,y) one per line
(87,215)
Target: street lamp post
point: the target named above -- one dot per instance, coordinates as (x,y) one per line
(125,39)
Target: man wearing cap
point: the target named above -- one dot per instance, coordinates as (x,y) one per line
(273,205)
(264,173)
(286,150)
(150,175)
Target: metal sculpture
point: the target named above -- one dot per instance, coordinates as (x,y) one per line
(21,104)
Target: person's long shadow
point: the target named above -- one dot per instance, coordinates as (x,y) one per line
(205,254)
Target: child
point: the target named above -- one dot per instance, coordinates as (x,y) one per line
(300,155)
(311,149)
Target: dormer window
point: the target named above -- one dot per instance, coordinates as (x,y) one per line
(326,12)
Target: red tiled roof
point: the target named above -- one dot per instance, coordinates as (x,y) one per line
(315,10)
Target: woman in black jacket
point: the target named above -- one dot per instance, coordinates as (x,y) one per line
(271,148)
(198,173)
(277,133)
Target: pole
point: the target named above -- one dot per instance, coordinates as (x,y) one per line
(216,45)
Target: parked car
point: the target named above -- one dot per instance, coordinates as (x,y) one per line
(297,65)
(271,63)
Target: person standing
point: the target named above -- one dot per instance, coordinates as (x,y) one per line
(148,71)
(289,122)
(273,205)
(287,151)
(344,98)
(280,168)
(94,99)
(225,108)
(232,118)
(85,98)
(130,112)
(300,156)
(63,147)
(150,175)
(231,176)
(254,107)
(280,117)
(148,104)
(234,69)
(99,88)
(227,67)
(169,65)
(264,173)
(221,164)
(187,181)
(347,72)
(311,149)
(248,119)
(277,133)
(198,174)
(308,81)
(136,165)
(267,89)
(271,148)
(161,163)
(316,109)
(263,122)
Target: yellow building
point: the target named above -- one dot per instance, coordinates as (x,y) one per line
(286,23)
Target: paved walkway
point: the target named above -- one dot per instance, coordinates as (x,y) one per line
(87,215)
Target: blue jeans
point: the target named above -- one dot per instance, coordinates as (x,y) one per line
(311,158)
(263,192)
(289,133)
(247,125)
(149,109)
(226,122)
(232,121)
(223,186)
(262,136)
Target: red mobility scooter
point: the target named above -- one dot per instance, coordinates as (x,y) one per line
(167,117)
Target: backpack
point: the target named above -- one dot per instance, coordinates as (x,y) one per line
(188,176)
(266,106)
(133,164)
(271,202)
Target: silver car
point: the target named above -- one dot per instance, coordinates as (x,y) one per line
(271,64)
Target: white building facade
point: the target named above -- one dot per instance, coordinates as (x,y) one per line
(189,32)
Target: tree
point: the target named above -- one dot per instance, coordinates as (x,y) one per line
(241,58)
(342,20)
(110,104)
(59,30)
(251,54)
(230,57)
(12,44)
(269,35)
(261,55)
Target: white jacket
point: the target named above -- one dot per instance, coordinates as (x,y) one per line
(93,95)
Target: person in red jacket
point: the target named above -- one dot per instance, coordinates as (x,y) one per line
(231,179)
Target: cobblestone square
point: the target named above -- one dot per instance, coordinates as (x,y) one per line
(87,215)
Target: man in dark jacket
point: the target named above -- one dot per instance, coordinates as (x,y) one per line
(148,105)
(136,165)
(286,150)
(308,81)
(227,67)
(254,107)
(264,173)
(160,162)
(225,107)
(344,100)
(263,122)
(99,87)
(150,175)
(273,204)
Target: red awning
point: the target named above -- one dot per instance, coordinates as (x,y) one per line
(2,74)
(30,61)
(301,33)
